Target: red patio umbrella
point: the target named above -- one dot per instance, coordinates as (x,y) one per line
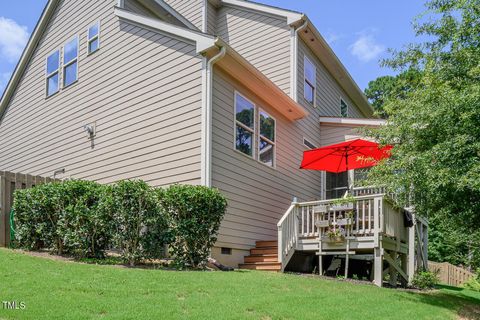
(345,156)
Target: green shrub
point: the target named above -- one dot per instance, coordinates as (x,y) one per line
(425,280)
(194,214)
(62,217)
(35,217)
(473,283)
(85,230)
(140,227)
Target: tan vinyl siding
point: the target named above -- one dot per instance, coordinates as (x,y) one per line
(258,195)
(191,10)
(264,40)
(211,19)
(335,134)
(145,98)
(135,6)
(328,91)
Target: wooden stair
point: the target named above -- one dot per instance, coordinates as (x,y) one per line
(263,257)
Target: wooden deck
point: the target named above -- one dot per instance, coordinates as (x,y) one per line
(370,225)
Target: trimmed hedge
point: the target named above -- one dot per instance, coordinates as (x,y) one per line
(140,226)
(194,214)
(84,219)
(63,217)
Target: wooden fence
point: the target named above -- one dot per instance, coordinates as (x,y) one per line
(449,274)
(9,182)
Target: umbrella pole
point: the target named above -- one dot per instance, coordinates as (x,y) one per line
(350,187)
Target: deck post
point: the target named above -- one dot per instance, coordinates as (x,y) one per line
(411,251)
(404,265)
(378,266)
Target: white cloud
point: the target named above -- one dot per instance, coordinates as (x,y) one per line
(366,48)
(13,38)
(331,37)
(4,77)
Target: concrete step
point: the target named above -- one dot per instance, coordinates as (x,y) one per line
(263,266)
(261,258)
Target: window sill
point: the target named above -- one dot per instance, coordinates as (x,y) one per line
(70,85)
(257,161)
(53,94)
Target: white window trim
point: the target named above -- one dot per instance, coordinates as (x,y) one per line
(65,65)
(305,80)
(274,143)
(48,75)
(236,122)
(95,37)
(348,108)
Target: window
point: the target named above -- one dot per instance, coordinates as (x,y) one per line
(227,251)
(310,76)
(244,124)
(336,184)
(53,65)
(93,38)
(70,62)
(343,108)
(308,144)
(266,144)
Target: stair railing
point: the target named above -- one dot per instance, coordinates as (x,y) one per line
(287,235)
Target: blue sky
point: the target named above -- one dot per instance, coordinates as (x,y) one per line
(360,32)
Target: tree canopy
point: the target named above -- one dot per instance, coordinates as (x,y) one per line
(435,126)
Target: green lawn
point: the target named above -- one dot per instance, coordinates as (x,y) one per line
(66,290)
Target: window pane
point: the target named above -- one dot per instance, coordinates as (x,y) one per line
(266,152)
(343,109)
(336,184)
(70,51)
(53,62)
(244,111)
(267,126)
(93,31)
(52,84)
(244,141)
(93,46)
(309,70)
(309,92)
(70,74)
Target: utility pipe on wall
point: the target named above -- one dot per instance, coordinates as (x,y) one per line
(294,62)
(207,88)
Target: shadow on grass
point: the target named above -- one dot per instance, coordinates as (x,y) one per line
(465,302)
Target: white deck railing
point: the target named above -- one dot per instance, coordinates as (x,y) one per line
(371,214)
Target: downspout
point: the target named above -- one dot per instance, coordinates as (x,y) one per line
(207,101)
(204,16)
(294,62)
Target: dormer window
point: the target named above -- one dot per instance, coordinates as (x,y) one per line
(93,38)
(53,66)
(70,62)
(310,76)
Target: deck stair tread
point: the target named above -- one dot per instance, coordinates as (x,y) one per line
(263,257)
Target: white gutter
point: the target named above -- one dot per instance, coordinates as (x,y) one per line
(204,16)
(207,101)
(294,60)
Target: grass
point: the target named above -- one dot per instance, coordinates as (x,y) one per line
(67,290)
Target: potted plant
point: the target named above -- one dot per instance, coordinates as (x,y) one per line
(335,234)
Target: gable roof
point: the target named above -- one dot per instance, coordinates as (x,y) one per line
(319,47)
(204,43)
(233,63)
(27,54)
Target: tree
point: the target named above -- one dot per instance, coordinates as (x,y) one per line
(380,90)
(435,126)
